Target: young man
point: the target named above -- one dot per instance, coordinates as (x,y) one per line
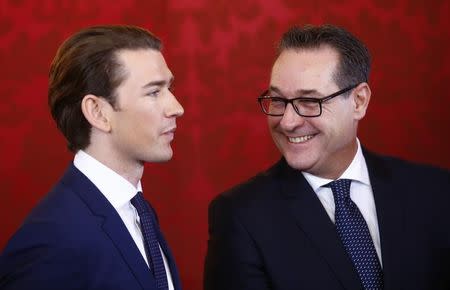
(329,215)
(110,95)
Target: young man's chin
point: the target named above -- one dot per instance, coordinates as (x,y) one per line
(162,156)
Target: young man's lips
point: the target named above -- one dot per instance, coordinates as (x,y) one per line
(170,130)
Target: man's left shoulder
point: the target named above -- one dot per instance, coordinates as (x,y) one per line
(398,168)
(409,179)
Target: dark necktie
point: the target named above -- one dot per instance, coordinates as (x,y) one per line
(355,236)
(149,230)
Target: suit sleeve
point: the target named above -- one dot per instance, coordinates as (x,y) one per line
(233,261)
(34,259)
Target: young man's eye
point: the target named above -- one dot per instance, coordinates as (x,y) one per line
(154,93)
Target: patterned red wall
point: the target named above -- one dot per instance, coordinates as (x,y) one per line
(221,54)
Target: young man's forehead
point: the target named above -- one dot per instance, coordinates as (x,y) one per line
(148,65)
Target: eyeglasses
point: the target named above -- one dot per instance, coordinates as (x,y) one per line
(305,107)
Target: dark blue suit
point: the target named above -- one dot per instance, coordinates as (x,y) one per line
(74,239)
(272,232)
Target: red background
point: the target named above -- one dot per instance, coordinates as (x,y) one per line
(221,53)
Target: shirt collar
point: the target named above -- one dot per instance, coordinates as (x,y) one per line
(117,190)
(356,171)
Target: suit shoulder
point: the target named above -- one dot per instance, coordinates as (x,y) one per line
(411,179)
(259,187)
(59,218)
(405,168)
(60,201)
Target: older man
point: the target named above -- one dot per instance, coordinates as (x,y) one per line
(329,215)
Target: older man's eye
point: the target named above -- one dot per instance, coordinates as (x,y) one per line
(276,103)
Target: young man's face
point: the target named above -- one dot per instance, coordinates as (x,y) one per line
(325,145)
(144,122)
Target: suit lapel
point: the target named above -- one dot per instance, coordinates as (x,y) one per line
(112,225)
(391,218)
(130,253)
(171,262)
(312,219)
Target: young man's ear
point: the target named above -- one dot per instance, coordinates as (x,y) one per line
(361,98)
(97,110)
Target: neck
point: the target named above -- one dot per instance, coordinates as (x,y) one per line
(341,162)
(131,171)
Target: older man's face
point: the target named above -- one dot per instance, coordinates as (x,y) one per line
(325,145)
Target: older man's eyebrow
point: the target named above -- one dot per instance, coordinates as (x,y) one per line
(297,92)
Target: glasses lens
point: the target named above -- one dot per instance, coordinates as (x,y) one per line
(307,108)
(273,106)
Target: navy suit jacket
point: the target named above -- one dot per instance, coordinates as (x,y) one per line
(272,232)
(75,239)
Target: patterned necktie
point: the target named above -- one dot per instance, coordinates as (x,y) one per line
(355,236)
(149,230)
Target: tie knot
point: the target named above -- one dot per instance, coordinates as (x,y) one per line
(139,202)
(341,188)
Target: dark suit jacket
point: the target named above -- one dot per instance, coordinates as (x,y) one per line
(75,239)
(272,232)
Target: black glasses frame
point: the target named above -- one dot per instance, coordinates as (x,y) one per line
(264,96)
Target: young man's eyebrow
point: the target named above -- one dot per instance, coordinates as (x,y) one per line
(159,83)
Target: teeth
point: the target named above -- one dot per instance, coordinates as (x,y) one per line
(300,139)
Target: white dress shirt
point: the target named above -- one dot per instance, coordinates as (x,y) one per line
(118,191)
(360,193)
